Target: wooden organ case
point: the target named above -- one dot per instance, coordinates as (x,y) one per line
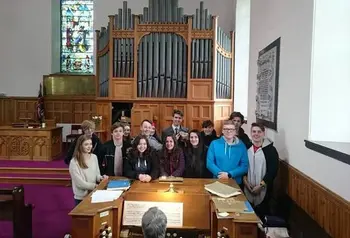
(163,60)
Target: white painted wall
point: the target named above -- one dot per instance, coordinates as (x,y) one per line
(330,115)
(25,45)
(293,22)
(242,40)
(28,51)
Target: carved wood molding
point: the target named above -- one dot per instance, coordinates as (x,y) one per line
(123,34)
(223,52)
(104,51)
(328,209)
(202,34)
(163,28)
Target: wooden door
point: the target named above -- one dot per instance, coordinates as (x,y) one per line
(137,116)
(104,109)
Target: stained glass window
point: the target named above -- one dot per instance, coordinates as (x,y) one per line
(77,36)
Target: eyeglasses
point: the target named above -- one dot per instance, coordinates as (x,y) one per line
(229,130)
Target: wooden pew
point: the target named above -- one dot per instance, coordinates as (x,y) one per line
(13,208)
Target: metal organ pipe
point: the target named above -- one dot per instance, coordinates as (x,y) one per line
(103,63)
(162,68)
(162,57)
(201,54)
(223,66)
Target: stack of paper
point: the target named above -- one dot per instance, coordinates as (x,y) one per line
(222,190)
(232,205)
(105,196)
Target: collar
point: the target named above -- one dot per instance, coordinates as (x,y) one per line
(174,127)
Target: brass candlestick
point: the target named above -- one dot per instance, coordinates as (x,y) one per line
(171,189)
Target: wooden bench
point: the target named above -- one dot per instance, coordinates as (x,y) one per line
(13,208)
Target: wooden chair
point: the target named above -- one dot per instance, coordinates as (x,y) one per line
(73,134)
(13,208)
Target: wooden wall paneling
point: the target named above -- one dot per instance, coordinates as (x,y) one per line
(61,110)
(83,111)
(25,108)
(166,114)
(137,116)
(345,227)
(222,111)
(197,113)
(200,89)
(104,109)
(329,210)
(7,111)
(153,115)
(122,88)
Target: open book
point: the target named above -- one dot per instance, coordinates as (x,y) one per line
(222,190)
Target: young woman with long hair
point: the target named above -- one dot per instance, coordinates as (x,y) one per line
(141,162)
(196,157)
(84,169)
(172,161)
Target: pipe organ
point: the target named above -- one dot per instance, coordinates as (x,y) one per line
(168,58)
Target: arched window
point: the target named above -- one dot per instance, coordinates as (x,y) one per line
(76,36)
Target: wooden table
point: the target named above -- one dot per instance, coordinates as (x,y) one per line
(38,144)
(199,213)
(236,225)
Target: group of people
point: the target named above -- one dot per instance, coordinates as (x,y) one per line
(178,152)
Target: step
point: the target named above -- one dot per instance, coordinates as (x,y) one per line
(21,170)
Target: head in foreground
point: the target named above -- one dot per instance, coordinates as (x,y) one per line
(154,223)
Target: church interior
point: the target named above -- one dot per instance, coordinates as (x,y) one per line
(103,70)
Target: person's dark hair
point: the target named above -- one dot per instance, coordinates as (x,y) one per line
(177,111)
(154,223)
(117,125)
(173,155)
(207,123)
(260,125)
(135,152)
(194,154)
(237,114)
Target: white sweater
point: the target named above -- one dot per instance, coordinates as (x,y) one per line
(84,180)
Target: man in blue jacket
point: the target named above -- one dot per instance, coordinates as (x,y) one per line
(227,157)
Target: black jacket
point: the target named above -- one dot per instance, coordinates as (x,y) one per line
(244,138)
(96,149)
(107,156)
(207,139)
(131,162)
(200,169)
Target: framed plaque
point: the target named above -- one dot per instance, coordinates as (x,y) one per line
(267,85)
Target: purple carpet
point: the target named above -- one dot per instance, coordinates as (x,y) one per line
(50,215)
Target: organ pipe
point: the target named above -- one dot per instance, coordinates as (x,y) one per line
(164,66)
